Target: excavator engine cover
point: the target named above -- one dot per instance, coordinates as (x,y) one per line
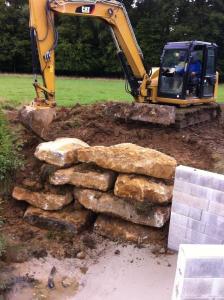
(37,118)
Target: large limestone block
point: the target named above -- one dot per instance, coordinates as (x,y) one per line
(130,158)
(143,189)
(109,204)
(43,200)
(118,229)
(84,175)
(61,152)
(67,219)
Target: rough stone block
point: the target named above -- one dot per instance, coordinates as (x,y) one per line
(67,219)
(43,200)
(130,158)
(107,203)
(120,230)
(84,175)
(61,152)
(142,189)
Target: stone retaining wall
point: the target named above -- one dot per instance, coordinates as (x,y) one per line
(119,185)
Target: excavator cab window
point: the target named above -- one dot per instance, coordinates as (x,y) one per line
(172,72)
(188,70)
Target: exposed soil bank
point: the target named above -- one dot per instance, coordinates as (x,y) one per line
(201,146)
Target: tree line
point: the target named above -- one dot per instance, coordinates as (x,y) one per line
(85,46)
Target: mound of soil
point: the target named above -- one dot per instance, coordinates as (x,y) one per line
(201,146)
(197,146)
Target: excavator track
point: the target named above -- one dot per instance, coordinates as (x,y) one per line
(194,115)
(165,115)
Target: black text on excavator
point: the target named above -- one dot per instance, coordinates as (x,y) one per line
(182,91)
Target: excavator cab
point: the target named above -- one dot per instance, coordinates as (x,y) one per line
(188,70)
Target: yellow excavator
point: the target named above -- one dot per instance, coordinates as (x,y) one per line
(183,90)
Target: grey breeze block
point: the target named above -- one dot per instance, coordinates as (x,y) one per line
(197,214)
(199,273)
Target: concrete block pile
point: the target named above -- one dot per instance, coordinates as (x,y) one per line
(125,190)
(197,215)
(200,273)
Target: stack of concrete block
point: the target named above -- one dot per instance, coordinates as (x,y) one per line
(200,273)
(197,215)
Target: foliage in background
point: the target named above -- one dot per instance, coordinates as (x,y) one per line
(9,158)
(85,46)
(2,240)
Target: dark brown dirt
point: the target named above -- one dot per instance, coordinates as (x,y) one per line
(201,146)
(196,146)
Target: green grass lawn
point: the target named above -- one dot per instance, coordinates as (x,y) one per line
(18,89)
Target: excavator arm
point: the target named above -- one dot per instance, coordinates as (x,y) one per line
(113,13)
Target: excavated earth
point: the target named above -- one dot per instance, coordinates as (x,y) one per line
(201,146)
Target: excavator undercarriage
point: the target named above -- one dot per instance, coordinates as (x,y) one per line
(164,115)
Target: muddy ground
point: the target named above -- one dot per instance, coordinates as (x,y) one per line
(201,146)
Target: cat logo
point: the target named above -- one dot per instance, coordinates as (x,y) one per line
(85,9)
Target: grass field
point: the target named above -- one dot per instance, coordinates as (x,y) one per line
(17,89)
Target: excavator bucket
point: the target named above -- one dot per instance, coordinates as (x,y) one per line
(37,119)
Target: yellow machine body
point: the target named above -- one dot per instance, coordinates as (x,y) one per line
(115,15)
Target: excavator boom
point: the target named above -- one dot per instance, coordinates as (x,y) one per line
(111,12)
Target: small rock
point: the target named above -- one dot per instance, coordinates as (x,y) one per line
(81,255)
(83,270)
(89,242)
(162,251)
(169,265)
(117,252)
(50,282)
(66,282)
